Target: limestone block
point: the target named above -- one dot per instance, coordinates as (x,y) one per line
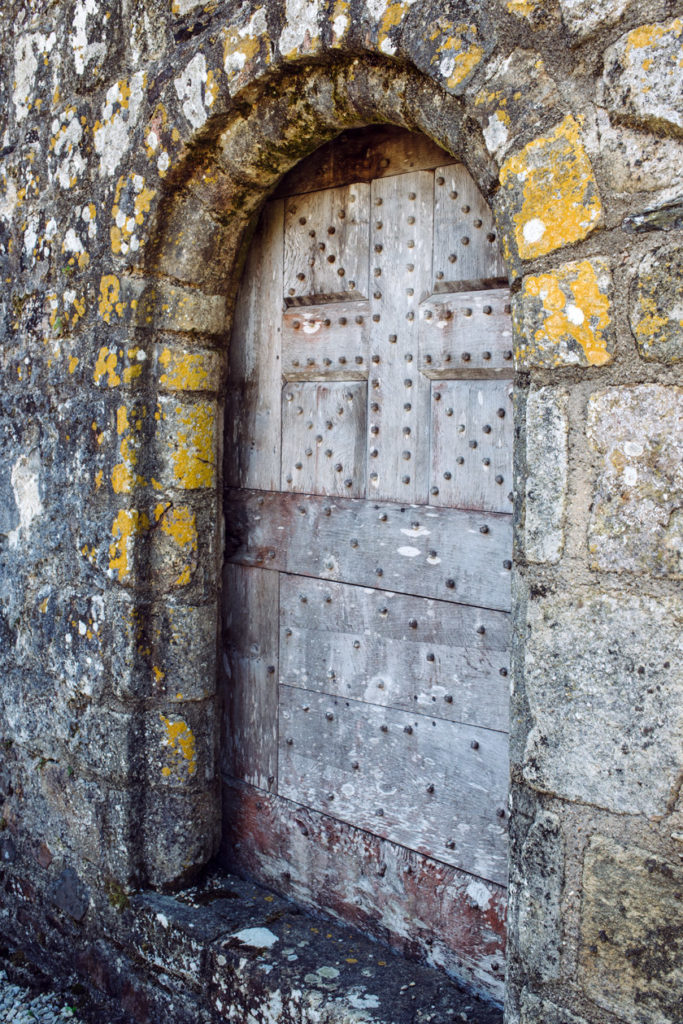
(183,369)
(538,896)
(636,523)
(179,745)
(160,305)
(535,1010)
(187,442)
(632,933)
(633,160)
(642,78)
(549,195)
(447,46)
(504,110)
(546,475)
(584,17)
(656,306)
(564,317)
(603,681)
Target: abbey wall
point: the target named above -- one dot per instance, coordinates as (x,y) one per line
(137,145)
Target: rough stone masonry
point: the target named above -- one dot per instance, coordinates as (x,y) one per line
(137,142)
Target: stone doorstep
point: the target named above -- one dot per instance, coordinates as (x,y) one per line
(249,954)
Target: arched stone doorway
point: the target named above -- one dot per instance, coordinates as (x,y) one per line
(367,591)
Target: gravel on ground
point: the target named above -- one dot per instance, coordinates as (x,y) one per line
(23,1006)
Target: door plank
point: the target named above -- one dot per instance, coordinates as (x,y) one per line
(326,342)
(326,245)
(466,246)
(436,787)
(418,905)
(323,438)
(252,417)
(250,636)
(398,441)
(424,550)
(461,332)
(438,659)
(362,154)
(471,453)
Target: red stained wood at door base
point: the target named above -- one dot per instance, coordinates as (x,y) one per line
(423,908)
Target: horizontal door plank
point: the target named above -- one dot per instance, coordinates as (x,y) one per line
(435,552)
(328,342)
(462,332)
(362,154)
(437,787)
(438,659)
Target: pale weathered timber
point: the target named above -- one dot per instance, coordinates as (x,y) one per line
(466,247)
(250,660)
(433,552)
(436,787)
(323,438)
(252,415)
(413,902)
(438,659)
(465,332)
(471,450)
(398,439)
(326,245)
(328,342)
(353,156)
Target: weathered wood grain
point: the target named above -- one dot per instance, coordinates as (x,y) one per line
(465,332)
(414,654)
(422,907)
(363,154)
(443,553)
(250,663)
(437,787)
(252,417)
(326,245)
(471,450)
(327,342)
(466,246)
(398,438)
(323,438)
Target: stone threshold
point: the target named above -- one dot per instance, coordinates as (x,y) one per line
(245,955)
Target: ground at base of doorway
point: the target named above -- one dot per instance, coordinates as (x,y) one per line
(230,951)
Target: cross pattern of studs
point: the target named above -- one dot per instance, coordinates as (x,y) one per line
(465,331)
(323,438)
(471,450)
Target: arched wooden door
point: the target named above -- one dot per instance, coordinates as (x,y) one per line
(369,475)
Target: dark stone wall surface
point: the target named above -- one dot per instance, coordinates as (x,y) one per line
(137,141)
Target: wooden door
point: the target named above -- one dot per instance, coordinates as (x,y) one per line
(368,527)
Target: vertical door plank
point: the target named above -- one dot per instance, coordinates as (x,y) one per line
(323,438)
(466,246)
(252,418)
(250,661)
(472,436)
(398,396)
(428,657)
(436,787)
(326,244)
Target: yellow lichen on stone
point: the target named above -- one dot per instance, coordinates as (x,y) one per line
(194,447)
(340,21)
(551,192)
(186,371)
(125,528)
(457,54)
(564,317)
(524,8)
(106,364)
(123,477)
(180,524)
(391,18)
(180,738)
(132,201)
(110,292)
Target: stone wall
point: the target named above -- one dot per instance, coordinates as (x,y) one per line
(137,143)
